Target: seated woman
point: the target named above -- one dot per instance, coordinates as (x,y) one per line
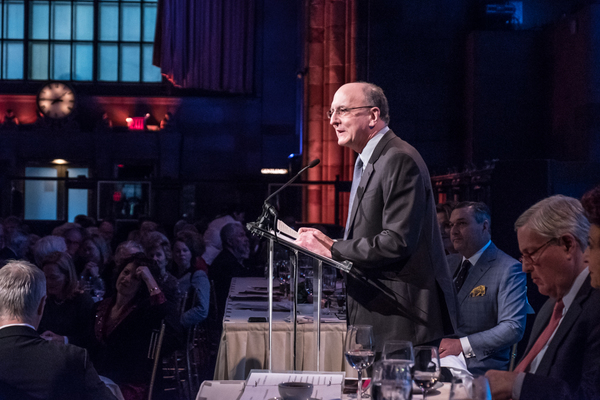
(93,255)
(123,325)
(67,307)
(158,248)
(188,246)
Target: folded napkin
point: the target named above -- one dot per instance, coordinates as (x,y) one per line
(305,319)
(456,364)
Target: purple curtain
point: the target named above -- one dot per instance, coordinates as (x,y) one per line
(206,44)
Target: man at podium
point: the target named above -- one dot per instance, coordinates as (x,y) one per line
(400,282)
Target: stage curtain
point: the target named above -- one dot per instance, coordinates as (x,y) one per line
(331,63)
(206,44)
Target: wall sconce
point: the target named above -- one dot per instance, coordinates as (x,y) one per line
(274,171)
(59,161)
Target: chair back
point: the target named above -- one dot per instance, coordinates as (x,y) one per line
(156,340)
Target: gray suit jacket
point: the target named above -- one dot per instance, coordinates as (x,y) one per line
(494,321)
(400,282)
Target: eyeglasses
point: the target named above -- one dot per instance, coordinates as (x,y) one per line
(528,258)
(341,111)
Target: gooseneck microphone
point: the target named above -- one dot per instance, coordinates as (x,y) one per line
(268,208)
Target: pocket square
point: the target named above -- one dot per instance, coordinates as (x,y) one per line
(479,291)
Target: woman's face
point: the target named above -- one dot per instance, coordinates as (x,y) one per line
(182,255)
(55,280)
(158,255)
(592,255)
(128,282)
(90,252)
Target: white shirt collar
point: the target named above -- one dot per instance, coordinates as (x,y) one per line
(475,257)
(367,152)
(6,326)
(577,283)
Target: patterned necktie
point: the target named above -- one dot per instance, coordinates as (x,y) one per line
(461,276)
(358,171)
(543,338)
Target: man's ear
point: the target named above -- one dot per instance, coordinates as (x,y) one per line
(374,115)
(569,243)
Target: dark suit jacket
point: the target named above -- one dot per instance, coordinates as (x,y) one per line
(496,320)
(570,366)
(33,368)
(400,281)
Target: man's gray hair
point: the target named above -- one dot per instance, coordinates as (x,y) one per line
(46,245)
(22,286)
(228,231)
(556,216)
(374,96)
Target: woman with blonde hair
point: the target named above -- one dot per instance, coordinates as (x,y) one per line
(67,308)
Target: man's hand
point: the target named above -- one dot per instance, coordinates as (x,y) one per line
(53,337)
(501,383)
(450,347)
(315,241)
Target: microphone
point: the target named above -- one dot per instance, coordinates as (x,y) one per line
(268,208)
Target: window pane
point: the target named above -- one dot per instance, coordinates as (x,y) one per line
(38,61)
(40,196)
(108,61)
(14,20)
(61,21)
(130,63)
(78,203)
(149,22)
(150,72)
(83,55)
(40,20)
(130,22)
(83,22)
(13,60)
(109,21)
(61,61)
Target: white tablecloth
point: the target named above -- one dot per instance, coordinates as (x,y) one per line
(232,390)
(244,345)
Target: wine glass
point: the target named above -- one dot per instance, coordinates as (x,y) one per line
(426,370)
(329,282)
(391,380)
(359,350)
(398,350)
(468,387)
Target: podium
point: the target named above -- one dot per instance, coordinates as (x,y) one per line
(283,238)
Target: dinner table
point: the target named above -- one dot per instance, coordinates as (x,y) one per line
(244,343)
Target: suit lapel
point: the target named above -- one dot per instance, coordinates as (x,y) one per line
(477,271)
(366,177)
(564,328)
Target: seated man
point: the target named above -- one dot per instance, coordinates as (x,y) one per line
(491,293)
(228,264)
(32,367)
(563,355)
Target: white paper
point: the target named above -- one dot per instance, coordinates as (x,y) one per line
(264,385)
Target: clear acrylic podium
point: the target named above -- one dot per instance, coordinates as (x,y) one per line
(294,251)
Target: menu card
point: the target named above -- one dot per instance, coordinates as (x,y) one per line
(264,385)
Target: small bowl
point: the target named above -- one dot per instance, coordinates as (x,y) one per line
(295,390)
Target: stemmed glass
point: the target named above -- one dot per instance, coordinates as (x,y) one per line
(359,350)
(398,350)
(467,387)
(391,380)
(426,370)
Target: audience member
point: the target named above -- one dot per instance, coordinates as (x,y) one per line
(67,306)
(491,293)
(158,248)
(12,224)
(591,203)
(16,247)
(212,236)
(46,245)
(229,262)
(32,239)
(31,367)
(193,283)
(123,325)
(92,261)
(563,354)
(107,231)
(444,210)
(74,236)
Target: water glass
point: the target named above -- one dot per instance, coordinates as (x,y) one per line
(398,350)
(359,349)
(467,387)
(391,380)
